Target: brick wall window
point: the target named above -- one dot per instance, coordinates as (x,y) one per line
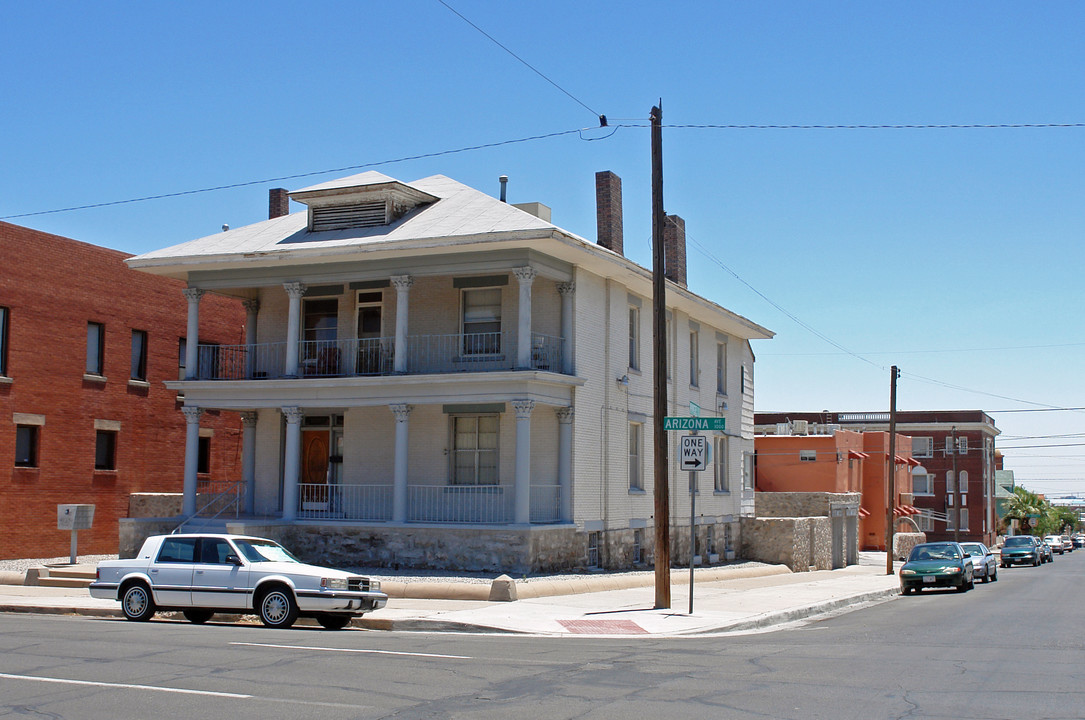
(922,484)
(95,348)
(139,355)
(203,456)
(922,447)
(26,446)
(105,450)
(694,359)
(721,367)
(719,464)
(5,314)
(636,478)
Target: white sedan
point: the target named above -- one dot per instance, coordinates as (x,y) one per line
(201,574)
(984,563)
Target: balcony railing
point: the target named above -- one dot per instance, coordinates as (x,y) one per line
(460,504)
(426,354)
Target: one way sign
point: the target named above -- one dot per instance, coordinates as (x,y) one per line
(694,452)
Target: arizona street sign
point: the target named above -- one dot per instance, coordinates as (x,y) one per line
(694,423)
(694,452)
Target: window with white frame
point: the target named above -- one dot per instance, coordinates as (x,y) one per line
(962,447)
(963,484)
(951,519)
(922,447)
(951,486)
(694,360)
(481,321)
(634,337)
(636,478)
(924,521)
(922,484)
(719,464)
(721,367)
(474,449)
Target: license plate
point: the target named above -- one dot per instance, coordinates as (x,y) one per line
(928,578)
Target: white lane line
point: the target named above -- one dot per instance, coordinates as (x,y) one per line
(354,650)
(126,686)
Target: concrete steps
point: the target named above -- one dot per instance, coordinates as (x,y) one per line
(62,577)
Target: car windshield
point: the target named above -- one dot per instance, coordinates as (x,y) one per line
(935,552)
(1052,539)
(973,549)
(1018,540)
(256,551)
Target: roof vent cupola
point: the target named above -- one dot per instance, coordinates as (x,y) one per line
(370,199)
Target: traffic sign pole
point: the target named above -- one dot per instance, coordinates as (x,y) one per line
(692,528)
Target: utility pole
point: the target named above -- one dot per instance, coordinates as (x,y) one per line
(659,371)
(956,491)
(891,485)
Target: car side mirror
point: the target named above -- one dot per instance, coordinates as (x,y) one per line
(232,559)
(968,555)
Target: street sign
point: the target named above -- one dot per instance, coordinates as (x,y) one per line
(706,424)
(694,452)
(694,409)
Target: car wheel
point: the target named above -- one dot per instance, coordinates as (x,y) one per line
(197,616)
(994,574)
(137,603)
(277,608)
(333,622)
(986,575)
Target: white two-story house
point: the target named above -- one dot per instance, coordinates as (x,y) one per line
(431,377)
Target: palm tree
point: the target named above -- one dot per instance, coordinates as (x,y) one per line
(1024,506)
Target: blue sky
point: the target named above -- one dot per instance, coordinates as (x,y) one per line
(955,254)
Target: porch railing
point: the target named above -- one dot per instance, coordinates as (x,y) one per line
(466,504)
(426,354)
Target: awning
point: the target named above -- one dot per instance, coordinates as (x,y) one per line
(856,455)
(901,460)
(863,512)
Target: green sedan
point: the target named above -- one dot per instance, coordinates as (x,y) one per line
(941,564)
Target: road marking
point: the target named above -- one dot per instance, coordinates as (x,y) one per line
(126,686)
(354,650)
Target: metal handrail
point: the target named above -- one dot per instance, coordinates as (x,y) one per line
(231,489)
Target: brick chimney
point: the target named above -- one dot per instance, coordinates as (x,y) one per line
(608,210)
(278,203)
(674,249)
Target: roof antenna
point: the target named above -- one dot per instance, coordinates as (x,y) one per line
(504,183)
(225,227)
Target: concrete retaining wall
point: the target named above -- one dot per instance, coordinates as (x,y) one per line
(904,542)
(800,543)
(800,504)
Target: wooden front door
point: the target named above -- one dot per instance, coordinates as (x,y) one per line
(314,469)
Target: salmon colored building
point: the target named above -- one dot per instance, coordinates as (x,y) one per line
(844,461)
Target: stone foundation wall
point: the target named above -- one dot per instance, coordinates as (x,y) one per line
(154,505)
(904,542)
(800,504)
(800,543)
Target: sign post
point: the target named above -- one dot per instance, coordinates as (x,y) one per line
(694,457)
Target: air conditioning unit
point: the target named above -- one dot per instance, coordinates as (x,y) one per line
(783,428)
(799,427)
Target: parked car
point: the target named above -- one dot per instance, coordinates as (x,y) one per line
(1078,540)
(984,563)
(1046,554)
(1020,550)
(1054,542)
(940,564)
(201,574)
(1067,543)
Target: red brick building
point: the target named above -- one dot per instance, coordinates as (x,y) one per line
(85,346)
(953,484)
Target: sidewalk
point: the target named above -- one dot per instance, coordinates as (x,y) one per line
(745,602)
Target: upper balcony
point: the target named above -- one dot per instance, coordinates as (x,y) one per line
(423,354)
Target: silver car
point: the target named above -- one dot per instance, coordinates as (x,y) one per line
(984,563)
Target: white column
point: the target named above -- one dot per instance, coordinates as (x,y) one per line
(192,459)
(526,276)
(192,333)
(248,460)
(522,505)
(293,326)
(566,290)
(399,474)
(252,309)
(291,462)
(565,463)
(402,284)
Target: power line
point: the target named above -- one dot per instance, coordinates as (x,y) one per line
(531,67)
(298,175)
(925,352)
(881,126)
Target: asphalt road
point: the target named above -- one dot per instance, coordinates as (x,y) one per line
(1011,649)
